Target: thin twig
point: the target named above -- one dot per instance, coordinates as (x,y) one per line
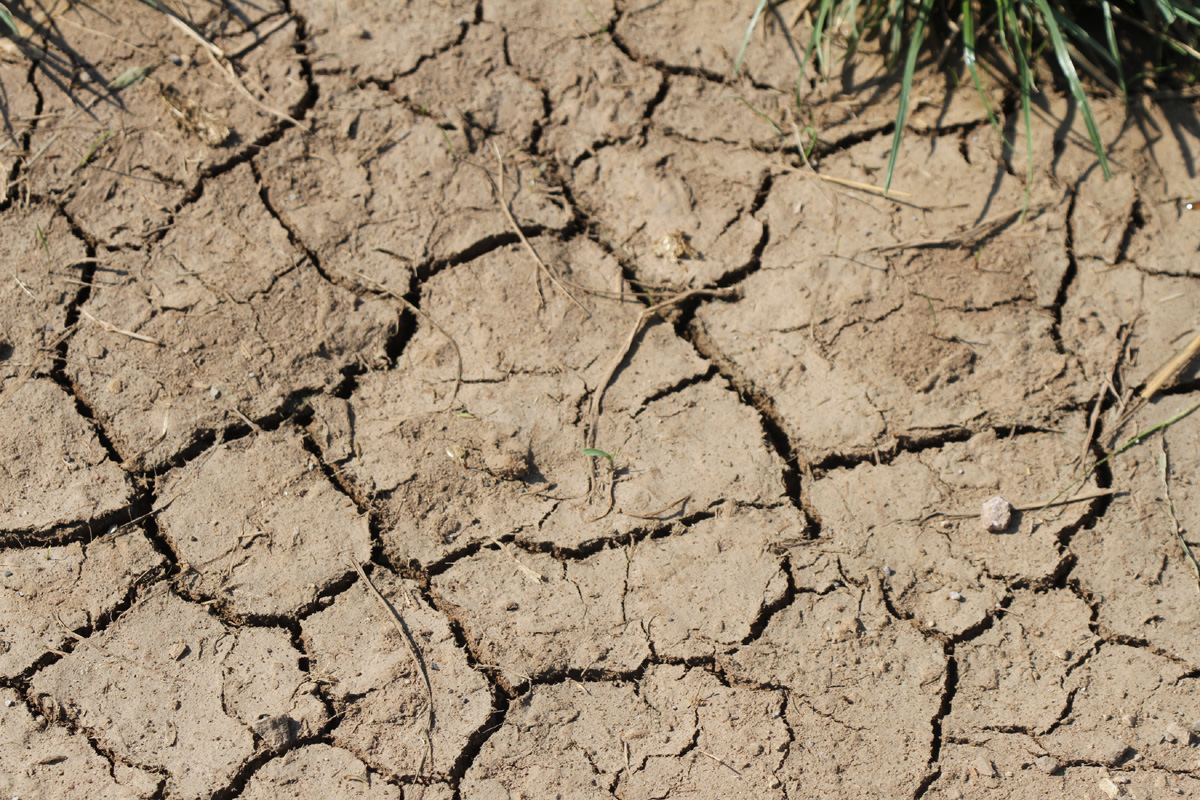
(658,513)
(499,190)
(534,576)
(1178,529)
(108,326)
(618,358)
(1170,371)
(400,626)
(227,72)
(457,352)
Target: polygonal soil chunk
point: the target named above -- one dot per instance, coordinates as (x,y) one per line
(378,190)
(472,83)
(50,592)
(204,329)
(902,371)
(369,40)
(1130,702)
(530,614)
(1015,674)
(1010,767)
(1111,310)
(317,772)
(916,521)
(680,210)
(849,667)
(169,688)
(596,93)
(687,596)
(677,732)
(54,471)
(259,526)
(128,145)
(44,259)
(1131,562)
(48,761)
(381,688)
(706,35)
(529,358)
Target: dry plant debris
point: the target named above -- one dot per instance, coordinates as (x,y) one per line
(458,400)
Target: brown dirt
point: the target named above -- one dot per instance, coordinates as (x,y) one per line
(294,503)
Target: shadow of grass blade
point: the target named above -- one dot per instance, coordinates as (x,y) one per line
(910,66)
(1050,19)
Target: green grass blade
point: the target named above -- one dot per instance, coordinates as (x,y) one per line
(1164,8)
(1050,20)
(7,19)
(817,34)
(968,36)
(910,66)
(1110,36)
(737,65)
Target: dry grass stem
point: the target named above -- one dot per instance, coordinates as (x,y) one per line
(499,191)
(406,634)
(1168,372)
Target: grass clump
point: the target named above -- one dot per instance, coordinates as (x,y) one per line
(1161,36)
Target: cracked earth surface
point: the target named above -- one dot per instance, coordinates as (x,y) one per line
(292,497)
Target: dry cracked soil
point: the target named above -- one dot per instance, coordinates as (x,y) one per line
(304,334)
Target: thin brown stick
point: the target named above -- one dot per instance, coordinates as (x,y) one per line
(108,326)
(499,190)
(533,575)
(1169,371)
(457,352)
(659,512)
(402,628)
(619,358)
(1164,475)
(227,72)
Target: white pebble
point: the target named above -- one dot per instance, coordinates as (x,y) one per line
(956,597)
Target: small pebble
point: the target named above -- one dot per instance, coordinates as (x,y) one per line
(1112,752)
(1109,788)
(214,392)
(956,597)
(1047,764)
(1178,733)
(996,514)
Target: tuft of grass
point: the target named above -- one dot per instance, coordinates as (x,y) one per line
(1072,35)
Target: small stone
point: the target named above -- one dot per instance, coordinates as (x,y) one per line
(214,392)
(1129,720)
(1112,752)
(956,597)
(1109,788)
(996,514)
(985,767)
(1178,733)
(177,651)
(276,732)
(1047,764)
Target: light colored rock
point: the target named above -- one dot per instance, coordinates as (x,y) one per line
(996,514)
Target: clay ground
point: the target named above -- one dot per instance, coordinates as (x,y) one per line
(293,502)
